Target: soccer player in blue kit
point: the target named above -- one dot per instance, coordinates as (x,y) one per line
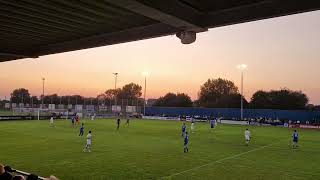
(184,129)
(186,143)
(295,137)
(81,130)
(212,123)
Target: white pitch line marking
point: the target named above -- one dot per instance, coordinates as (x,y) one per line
(217,161)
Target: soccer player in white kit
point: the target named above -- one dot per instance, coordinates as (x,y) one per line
(192,127)
(87,148)
(51,121)
(247,135)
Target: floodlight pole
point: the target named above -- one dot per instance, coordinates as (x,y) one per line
(144,98)
(43,79)
(115,87)
(241,95)
(241,67)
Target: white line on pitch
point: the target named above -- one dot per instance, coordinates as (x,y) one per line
(217,161)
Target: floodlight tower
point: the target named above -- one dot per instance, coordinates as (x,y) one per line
(145,74)
(115,86)
(242,67)
(43,79)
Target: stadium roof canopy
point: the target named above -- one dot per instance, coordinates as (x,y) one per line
(31,28)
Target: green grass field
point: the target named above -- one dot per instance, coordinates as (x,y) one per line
(151,149)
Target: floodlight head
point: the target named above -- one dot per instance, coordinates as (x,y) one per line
(242,67)
(145,74)
(115,74)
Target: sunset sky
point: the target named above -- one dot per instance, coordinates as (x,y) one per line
(280,52)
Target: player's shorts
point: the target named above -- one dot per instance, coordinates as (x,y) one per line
(295,140)
(247,138)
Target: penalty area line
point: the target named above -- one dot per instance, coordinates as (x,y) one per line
(217,161)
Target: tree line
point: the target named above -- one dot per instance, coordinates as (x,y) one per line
(22,95)
(223,93)
(214,93)
(130,93)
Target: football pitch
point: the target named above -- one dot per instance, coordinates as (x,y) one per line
(152,149)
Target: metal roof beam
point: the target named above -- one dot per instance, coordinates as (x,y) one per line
(164,16)
(258,11)
(17,55)
(28,26)
(63,9)
(111,15)
(133,34)
(88,10)
(19,15)
(49,15)
(111,9)
(11,30)
(255,4)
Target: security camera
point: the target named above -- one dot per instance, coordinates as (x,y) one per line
(187,37)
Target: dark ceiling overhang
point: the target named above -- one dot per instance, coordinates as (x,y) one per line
(32,28)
